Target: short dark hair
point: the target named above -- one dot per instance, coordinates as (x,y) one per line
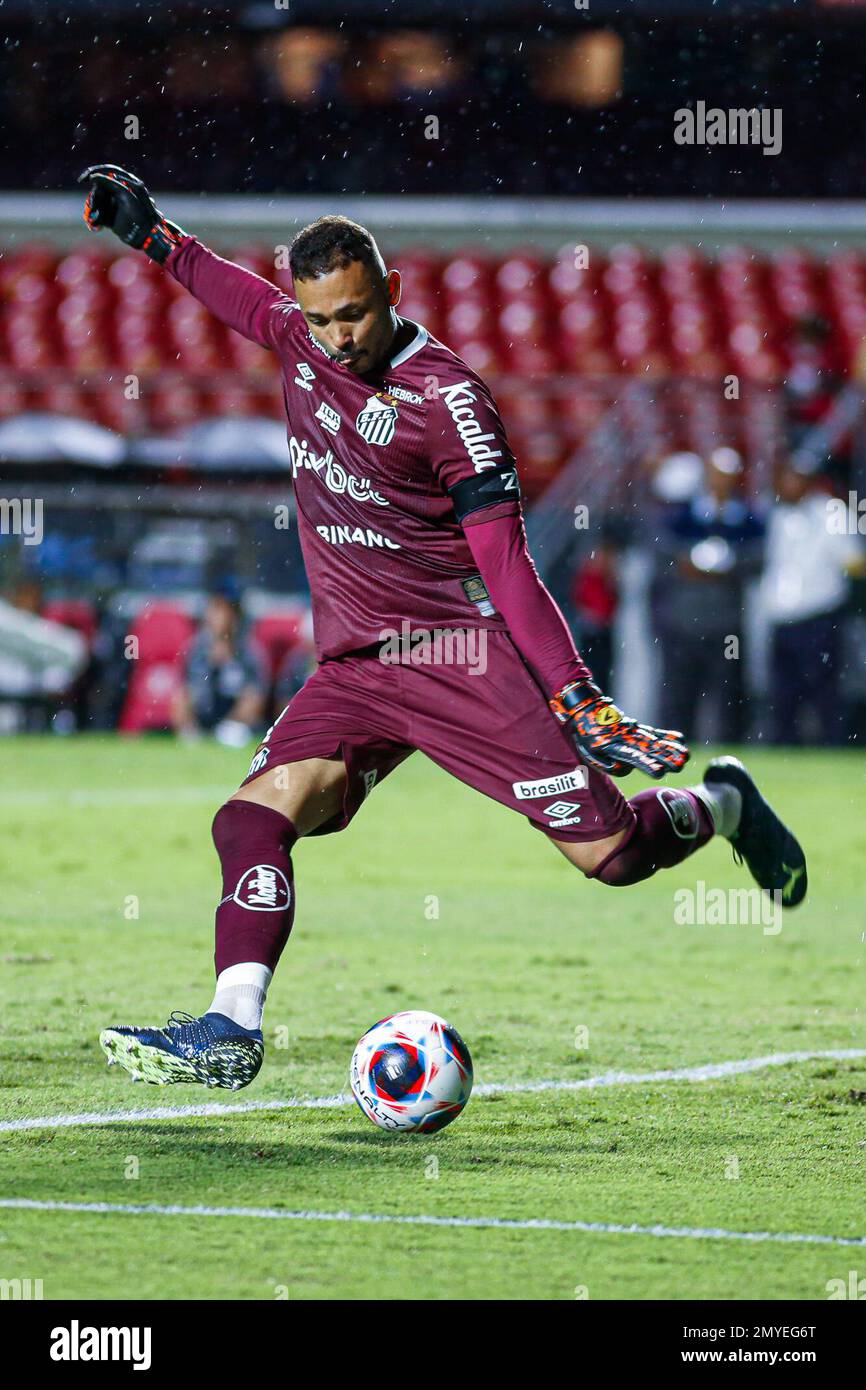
(330,243)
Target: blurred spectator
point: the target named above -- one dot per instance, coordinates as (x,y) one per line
(27,596)
(706,550)
(40,661)
(811,385)
(224,689)
(811,382)
(806,585)
(595,599)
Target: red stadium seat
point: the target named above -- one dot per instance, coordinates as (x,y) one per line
(467,275)
(163,633)
(14,399)
(175,406)
(275,635)
(75,325)
(76,613)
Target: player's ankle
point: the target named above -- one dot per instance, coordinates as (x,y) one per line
(240,993)
(725,805)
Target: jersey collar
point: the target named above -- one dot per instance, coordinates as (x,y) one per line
(412,347)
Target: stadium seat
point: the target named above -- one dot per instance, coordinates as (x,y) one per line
(76,613)
(275,635)
(163,634)
(97,318)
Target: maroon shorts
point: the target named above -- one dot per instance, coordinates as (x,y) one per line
(485,721)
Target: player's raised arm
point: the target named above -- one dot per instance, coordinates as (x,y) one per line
(244,301)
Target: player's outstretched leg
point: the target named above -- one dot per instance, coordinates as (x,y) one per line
(254,838)
(773,855)
(670,823)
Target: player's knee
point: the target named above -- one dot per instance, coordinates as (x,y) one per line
(592,856)
(225,828)
(239,826)
(621,869)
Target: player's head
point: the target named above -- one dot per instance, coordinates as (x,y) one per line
(346,295)
(221,616)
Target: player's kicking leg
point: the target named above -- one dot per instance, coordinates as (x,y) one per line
(254,833)
(671,823)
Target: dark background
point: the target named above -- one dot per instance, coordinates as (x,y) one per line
(537,99)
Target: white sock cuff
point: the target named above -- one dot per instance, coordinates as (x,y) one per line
(724,804)
(249,972)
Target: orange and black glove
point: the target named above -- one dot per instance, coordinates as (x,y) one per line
(608,740)
(120,201)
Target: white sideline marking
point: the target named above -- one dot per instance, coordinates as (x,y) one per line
(709,1071)
(474,1222)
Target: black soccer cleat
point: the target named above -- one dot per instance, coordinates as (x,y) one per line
(772,854)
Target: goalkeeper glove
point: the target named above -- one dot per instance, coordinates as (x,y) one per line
(608,740)
(117,199)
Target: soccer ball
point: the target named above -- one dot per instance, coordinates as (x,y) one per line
(411,1072)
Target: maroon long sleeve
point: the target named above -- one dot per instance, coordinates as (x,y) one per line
(537,626)
(238,297)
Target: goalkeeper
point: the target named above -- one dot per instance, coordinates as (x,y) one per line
(411,527)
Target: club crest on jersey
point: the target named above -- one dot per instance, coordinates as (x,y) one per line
(263,888)
(378,420)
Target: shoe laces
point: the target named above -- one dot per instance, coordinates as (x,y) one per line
(179,1019)
(188,1029)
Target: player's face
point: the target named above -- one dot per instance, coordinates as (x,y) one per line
(350,312)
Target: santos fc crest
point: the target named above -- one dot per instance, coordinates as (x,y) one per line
(378,420)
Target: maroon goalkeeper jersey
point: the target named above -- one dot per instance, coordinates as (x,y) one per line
(372,458)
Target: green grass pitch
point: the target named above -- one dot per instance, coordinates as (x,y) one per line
(434,898)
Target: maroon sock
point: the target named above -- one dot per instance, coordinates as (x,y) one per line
(671,823)
(255,914)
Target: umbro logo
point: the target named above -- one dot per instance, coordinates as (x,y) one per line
(305,376)
(561,808)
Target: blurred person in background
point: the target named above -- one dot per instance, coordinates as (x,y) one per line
(224,689)
(26,594)
(806,586)
(707,548)
(595,600)
(811,382)
(41,662)
(810,388)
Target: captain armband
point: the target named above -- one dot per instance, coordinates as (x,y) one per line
(485,489)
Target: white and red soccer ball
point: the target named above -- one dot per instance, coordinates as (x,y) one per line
(411,1072)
